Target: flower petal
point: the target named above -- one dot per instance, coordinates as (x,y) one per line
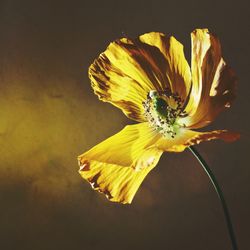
(178,73)
(118,165)
(213,82)
(125,73)
(186,138)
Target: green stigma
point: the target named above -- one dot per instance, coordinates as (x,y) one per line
(160,106)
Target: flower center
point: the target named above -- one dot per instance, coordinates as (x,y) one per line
(163,110)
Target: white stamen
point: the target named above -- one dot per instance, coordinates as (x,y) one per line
(225,92)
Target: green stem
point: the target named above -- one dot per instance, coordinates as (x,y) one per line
(219,193)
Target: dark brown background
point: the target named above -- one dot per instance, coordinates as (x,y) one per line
(49,115)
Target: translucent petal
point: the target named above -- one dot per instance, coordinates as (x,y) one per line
(178,73)
(213,81)
(118,165)
(186,137)
(125,73)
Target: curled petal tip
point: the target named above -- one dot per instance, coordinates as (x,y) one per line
(83,165)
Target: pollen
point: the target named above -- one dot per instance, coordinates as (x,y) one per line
(162,110)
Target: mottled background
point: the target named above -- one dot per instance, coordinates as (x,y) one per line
(49,115)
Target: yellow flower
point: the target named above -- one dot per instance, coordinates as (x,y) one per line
(149,79)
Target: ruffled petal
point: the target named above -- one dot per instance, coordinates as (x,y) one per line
(178,73)
(118,165)
(125,73)
(186,138)
(213,82)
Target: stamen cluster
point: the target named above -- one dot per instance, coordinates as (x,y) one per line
(162,110)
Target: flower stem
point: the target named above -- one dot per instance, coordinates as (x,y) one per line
(219,193)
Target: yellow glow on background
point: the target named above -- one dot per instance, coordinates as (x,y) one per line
(46,124)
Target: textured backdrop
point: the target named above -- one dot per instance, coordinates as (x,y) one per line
(49,115)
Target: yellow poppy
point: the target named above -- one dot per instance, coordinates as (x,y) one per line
(149,79)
